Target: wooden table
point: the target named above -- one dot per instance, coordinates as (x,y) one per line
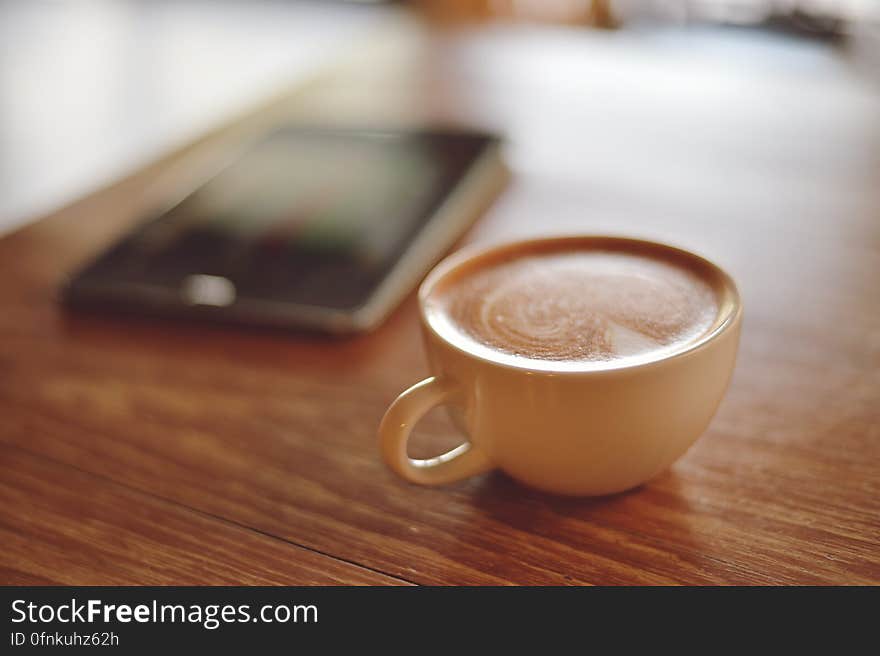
(138,451)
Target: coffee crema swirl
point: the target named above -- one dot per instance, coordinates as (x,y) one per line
(578,305)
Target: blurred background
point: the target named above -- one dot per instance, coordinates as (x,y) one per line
(91,89)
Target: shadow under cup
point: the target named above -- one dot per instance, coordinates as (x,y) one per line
(576,428)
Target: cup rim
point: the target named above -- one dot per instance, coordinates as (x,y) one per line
(475,251)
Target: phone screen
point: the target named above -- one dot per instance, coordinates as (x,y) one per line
(312,217)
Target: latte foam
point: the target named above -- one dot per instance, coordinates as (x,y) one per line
(585,305)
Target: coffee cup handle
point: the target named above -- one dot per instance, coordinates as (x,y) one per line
(397,424)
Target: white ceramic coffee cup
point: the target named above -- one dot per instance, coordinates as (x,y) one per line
(595,430)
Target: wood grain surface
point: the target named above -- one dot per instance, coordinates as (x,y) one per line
(62,526)
(149,451)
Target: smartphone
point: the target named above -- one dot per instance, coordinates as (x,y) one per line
(325,229)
